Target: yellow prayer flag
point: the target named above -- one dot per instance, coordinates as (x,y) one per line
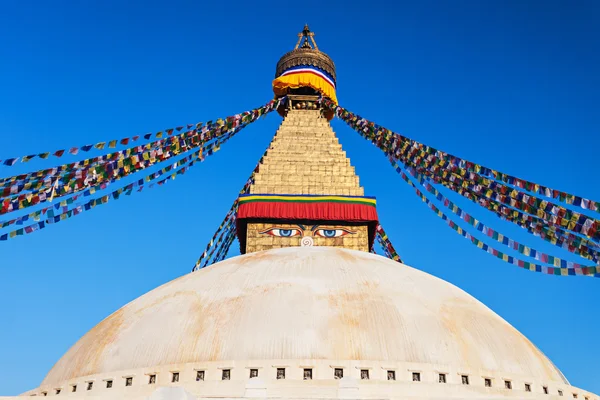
(112,144)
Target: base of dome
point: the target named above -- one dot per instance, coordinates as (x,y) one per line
(361,379)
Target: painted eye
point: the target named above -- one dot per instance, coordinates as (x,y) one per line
(280,232)
(332,233)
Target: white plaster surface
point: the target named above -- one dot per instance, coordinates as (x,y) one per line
(306,307)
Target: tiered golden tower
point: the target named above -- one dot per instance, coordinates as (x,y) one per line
(305,192)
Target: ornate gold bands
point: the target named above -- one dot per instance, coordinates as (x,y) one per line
(304,56)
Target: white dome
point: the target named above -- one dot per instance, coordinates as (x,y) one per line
(316,303)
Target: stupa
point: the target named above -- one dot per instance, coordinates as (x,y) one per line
(306,312)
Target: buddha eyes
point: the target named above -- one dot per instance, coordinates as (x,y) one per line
(291,232)
(332,233)
(280,232)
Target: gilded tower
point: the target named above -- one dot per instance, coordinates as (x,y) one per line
(306,192)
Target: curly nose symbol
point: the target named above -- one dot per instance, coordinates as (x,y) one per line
(306,241)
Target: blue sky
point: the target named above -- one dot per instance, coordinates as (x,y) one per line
(513,85)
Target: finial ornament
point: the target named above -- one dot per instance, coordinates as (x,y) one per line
(306,52)
(305,38)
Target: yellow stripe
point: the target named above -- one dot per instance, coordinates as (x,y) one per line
(295,81)
(335,198)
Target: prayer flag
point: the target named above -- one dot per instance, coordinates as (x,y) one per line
(10,162)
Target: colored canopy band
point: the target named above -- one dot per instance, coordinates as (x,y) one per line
(312,198)
(392,140)
(327,208)
(303,69)
(306,76)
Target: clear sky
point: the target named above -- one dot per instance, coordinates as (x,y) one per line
(513,85)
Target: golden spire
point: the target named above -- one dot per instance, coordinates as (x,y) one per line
(304,37)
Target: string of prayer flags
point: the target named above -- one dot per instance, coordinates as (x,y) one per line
(228,222)
(391,140)
(148,181)
(205,258)
(9,162)
(200,133)
(553,213)
(574,269)
(552,229)
(386,244)
(491,233)
(117,169)
(536,226)
(207,148)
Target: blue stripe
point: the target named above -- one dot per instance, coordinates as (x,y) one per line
(311,67)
